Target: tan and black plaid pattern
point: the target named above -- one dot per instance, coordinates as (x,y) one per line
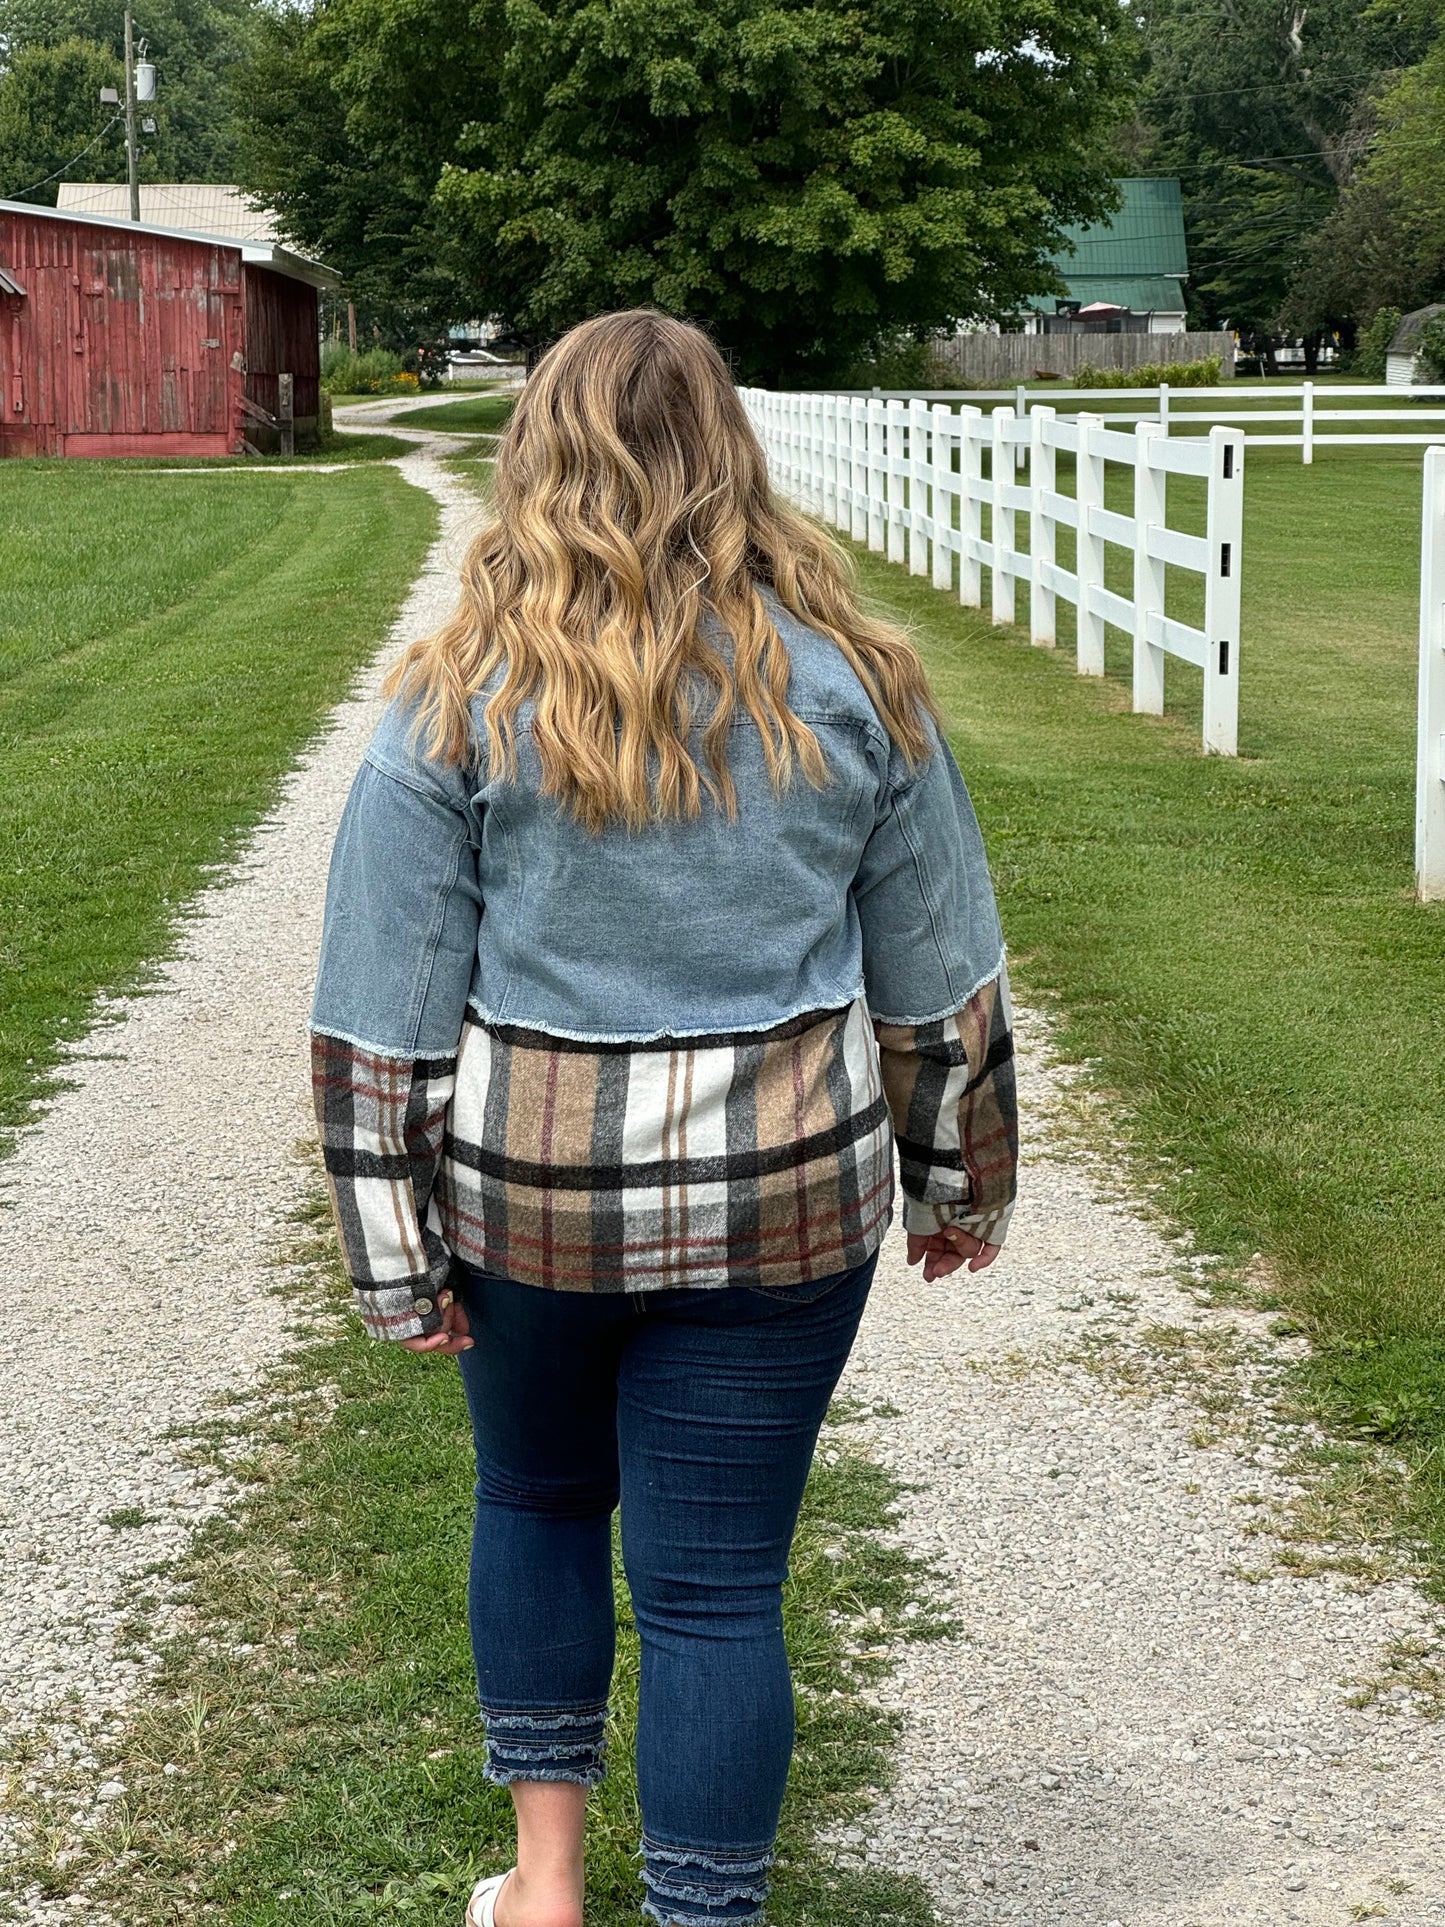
(748,1158)
(951,1090)
(752,1158)
(382,1122)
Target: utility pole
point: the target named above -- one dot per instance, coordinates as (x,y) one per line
(132,149)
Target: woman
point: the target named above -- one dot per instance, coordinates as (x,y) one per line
(656,893)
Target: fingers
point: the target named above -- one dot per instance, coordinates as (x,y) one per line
(453,1337)
(942,1252)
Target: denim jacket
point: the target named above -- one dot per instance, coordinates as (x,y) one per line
(466,912)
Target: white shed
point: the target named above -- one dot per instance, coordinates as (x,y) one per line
(1402,357)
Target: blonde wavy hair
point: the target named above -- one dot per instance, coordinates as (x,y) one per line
(632,515)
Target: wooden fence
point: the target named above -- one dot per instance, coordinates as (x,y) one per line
(915,482)
(1010,358)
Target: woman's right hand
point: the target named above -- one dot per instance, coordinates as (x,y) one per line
(944,1251)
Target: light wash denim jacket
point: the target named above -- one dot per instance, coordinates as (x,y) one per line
(459,901)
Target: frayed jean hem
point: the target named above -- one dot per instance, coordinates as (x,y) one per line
(566,1745)
(692,1887)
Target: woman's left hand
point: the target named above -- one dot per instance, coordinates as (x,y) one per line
(944,1251)
(454,1336)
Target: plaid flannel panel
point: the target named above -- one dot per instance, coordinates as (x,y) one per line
(382,1122)
(751,1158)
(951,1089)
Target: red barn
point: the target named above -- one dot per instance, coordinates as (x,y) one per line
(119,338)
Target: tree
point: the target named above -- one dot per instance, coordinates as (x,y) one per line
(196,44)
(50,112)
(1264,108)
(1384,245)
(356,202)
(806,176)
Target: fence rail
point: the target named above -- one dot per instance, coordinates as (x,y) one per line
(913,481)
(1314,422)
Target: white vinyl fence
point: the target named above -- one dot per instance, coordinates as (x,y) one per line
(1294,415)
(1430,744)
(915,482)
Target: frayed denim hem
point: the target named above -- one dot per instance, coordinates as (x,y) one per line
(585,1776)
(568,1744)
(692,1887)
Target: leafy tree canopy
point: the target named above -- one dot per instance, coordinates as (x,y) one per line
(50,111)
(196,45)
(808,177)
(1264,108)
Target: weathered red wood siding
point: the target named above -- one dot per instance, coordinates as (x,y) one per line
(283,337)
(122,343)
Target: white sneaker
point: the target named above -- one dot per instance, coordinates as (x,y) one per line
(482,1907)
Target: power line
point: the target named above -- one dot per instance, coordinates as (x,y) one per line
(20,193)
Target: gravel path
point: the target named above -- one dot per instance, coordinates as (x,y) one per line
(138,1225)
(1125,1730)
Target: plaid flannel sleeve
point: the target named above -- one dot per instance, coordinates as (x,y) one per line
(951,1090)
(382,1121)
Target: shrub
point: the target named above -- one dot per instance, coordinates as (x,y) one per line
(901,361)
(1431,348)
(375,372)
(1368,361)
(1149,374)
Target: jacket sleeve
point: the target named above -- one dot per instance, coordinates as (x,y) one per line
(398,948)
(937,988)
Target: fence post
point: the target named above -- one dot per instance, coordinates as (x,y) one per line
(1089,565)
(1163,408)
(1021,411)
(1149,511)
(286,412)
(897,480)
(1307,425)
(858,469)
(1042,531)
(1001,520)
(877,474)
(918,477)
(828,458)
(941,495)
(1224,532)
(1430,750)
(970,507)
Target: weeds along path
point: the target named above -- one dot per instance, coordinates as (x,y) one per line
(1146,1716)
(139,1221)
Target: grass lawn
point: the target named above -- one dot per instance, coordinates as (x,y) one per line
(1236,942)
(478,415)
(167,643)
(312,1754)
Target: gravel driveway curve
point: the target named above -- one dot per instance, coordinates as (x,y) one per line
(138,1226)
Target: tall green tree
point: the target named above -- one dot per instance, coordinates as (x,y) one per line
(197,46)
(1264,108)
(51,112)
(807,176)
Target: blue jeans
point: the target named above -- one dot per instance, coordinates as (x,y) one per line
(700,1411)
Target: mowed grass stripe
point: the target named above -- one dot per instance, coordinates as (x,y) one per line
(1237,943)
(167,645)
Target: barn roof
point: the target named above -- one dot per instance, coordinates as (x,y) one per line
(196,207)
(1135,257)
(261,254)
(1406,338)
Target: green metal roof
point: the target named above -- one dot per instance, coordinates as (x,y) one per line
(1144,237)
(1151,294)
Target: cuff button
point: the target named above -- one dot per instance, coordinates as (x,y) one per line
(421,1306)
